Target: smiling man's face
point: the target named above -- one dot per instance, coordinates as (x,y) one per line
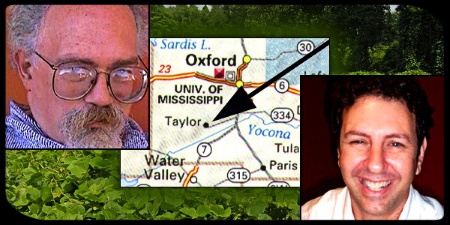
(378,156)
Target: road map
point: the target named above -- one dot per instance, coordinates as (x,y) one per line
(191,80)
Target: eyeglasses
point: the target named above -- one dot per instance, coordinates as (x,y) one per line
(74,80)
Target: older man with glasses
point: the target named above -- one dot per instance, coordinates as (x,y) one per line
(81,66)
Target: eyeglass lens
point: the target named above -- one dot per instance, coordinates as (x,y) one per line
(72,81)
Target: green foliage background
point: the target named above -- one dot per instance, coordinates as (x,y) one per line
(370,38)
(85,185)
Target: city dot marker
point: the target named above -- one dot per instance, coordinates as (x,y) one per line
(246,59)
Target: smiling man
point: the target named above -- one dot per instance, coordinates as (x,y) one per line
(81,66)
(380,126)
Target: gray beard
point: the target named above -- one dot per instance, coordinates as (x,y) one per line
(77,132)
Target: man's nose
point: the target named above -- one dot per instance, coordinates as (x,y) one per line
(99,94)
(376,159)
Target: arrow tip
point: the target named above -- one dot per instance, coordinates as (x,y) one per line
(238,103)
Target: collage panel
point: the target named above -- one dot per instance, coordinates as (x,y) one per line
(225,112)
(66,87)
(215,113)
(372,147)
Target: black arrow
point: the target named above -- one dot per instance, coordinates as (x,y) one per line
(241,101)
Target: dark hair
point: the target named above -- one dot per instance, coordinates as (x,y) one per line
(343,91)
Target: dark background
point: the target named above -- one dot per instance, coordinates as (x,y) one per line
(320,171)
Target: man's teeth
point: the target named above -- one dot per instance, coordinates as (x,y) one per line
(376,186)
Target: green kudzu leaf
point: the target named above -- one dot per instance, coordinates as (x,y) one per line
(293,205)
(256,208)
(220,211)
(21,201)
(138,198)
(46,194)
(284,196)
(226,213)
(98,163)
(110,210)
(73,208)
(113,206)
(294,215)
(145,210)
(10,195)
(155,207)
(97,187)
(190,212)
(128,208)
(264,217)
(35,178)
(147,194)
(46,209)
(79,167)
(61,207)
(68,160)
(35,193)
(67,186)
(71,216)
(226,196)
(27,172)
(82,191)
(167,216)
(55,215)
(34,208)
(113,195)
(174,197)
(56,192)
(109,214)
(165,207)
(203,210)
(98,152)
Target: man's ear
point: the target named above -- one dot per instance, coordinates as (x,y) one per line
(421,156)
(23,65)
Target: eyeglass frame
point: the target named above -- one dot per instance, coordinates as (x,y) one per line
(56,67)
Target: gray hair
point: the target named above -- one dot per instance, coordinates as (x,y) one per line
(25,21)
